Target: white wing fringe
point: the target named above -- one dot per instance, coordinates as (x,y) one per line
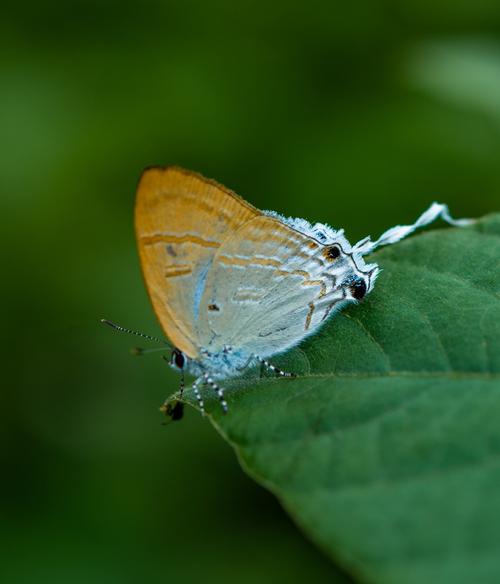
(394,234)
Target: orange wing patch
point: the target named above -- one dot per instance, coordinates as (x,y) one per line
(181,219)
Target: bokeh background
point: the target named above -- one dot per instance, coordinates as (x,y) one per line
(357,114)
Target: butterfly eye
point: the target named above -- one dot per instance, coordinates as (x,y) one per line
(178,359)
(332,253)
(358,288)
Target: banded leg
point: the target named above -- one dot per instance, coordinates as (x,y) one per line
(166,407)
(218,390)
(182,385)
(197,394)
(279,372)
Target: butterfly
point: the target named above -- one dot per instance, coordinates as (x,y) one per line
(233,286)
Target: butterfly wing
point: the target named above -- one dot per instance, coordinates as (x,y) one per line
(181,220)
(269,287)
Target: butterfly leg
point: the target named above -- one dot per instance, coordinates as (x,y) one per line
(182,385)
(197,394)
(279,372)
(176,411)
(218,390)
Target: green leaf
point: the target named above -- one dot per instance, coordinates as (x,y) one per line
(386,449)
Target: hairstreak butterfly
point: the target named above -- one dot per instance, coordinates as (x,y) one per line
(232,285)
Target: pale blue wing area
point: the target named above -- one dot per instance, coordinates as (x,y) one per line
(270,286)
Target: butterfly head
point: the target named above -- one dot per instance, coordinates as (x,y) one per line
(178,360)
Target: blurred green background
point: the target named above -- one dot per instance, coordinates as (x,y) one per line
(356,114)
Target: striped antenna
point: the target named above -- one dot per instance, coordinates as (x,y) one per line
(122,329)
